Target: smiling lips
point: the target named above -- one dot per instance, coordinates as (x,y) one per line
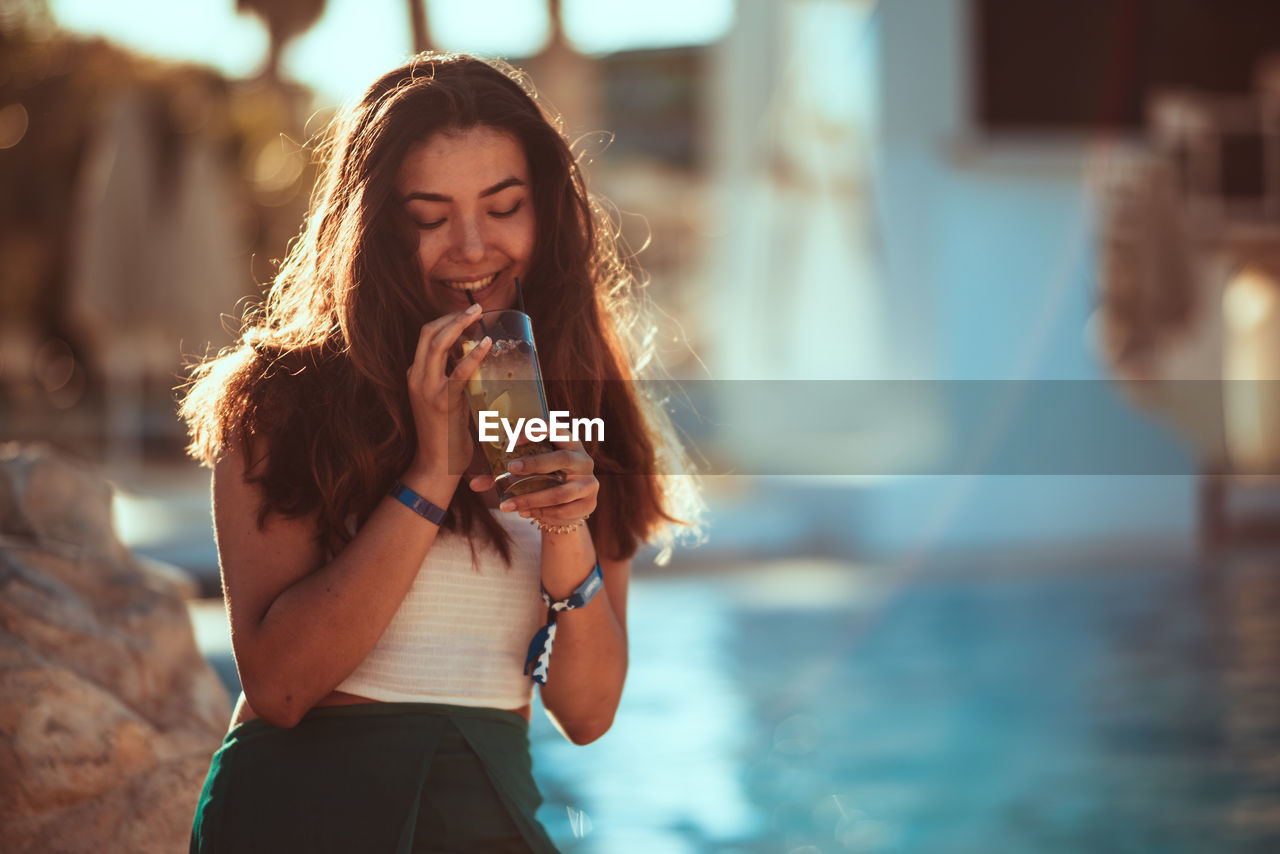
(469,284)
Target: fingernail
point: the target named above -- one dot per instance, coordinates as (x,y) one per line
(507,506)
(473,308)
(515,465)
(486,341)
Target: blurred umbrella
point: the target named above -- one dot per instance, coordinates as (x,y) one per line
(1251,395)
(418,21)
(155,258)
(800,278)
(285,20)
(805,229)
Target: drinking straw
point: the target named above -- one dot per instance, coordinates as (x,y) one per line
(520,295)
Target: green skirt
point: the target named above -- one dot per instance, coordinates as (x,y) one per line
(408,778)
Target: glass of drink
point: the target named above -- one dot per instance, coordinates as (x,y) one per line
(508,386)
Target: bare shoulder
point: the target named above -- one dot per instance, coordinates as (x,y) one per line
(258,562)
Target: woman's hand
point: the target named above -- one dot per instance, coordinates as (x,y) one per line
(571,501)
(438,399)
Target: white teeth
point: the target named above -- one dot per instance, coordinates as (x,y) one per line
(472,285)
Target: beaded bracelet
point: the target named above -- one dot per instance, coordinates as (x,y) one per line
(559,529)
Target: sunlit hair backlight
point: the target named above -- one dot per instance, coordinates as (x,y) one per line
(314,390)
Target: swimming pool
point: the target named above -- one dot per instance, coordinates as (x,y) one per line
(817,706)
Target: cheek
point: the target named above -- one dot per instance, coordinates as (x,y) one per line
(522,241)
(427,251)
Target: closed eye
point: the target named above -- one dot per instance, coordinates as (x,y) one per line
(428,226)
(508,212)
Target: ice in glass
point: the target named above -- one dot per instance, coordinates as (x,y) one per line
(509,383)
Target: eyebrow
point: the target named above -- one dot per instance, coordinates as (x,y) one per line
(440,197)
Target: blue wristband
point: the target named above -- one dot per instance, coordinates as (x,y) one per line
(417,503)
(538,659)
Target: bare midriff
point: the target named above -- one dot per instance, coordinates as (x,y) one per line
(243,712)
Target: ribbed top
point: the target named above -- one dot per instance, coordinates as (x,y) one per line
(461,634)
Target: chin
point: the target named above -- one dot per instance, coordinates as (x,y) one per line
(500,301)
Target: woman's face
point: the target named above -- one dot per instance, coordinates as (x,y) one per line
(468,195)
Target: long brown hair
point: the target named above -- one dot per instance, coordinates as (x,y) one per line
(316,382)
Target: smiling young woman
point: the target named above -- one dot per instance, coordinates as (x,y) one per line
(467,193)
(381,612)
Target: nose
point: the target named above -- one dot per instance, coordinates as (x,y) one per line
(469,240)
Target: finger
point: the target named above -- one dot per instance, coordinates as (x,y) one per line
(482,483)
(471,362)
(420,351)
(563,514)
(582,455)
(552,496)
(429,331)
(575,461)
(448,334)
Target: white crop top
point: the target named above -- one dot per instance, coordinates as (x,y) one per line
(461,634)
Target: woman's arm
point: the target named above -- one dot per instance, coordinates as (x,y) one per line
(589,659)
(299,625)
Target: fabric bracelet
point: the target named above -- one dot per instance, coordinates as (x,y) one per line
(538,661)
(417,503)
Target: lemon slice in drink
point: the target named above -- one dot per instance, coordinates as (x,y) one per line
(501,405)
(474,386)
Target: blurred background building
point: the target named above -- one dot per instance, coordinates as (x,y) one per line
(975,285)
(935,225)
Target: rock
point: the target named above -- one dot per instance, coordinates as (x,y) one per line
(108,712)
(47,498)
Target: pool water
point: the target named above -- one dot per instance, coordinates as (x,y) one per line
(803,707)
